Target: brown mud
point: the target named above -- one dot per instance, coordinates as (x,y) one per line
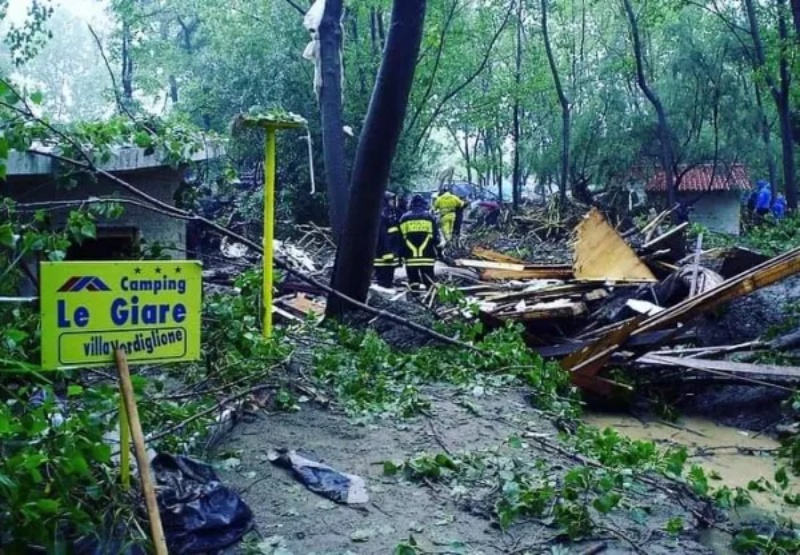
(300,522)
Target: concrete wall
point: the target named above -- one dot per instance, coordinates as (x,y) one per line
(160,183)
(717,211)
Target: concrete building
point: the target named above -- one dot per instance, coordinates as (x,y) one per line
(33,178)
(713,192)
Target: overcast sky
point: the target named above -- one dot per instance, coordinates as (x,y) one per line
(89,10)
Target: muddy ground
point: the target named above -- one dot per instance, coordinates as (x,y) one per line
(300,522)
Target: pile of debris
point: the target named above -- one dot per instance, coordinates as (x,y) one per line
(624,299)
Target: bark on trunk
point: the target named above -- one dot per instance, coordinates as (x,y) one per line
(127,65)
(796,18)
(565,107)
(467,156)
(330,33)
(785,111)
(516,193)
(376,148)
(664,131)
(766,137)
(780,94)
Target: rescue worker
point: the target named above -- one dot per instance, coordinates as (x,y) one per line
(779,208)
(763,201)
(447,205)
(386,254)
(421,239)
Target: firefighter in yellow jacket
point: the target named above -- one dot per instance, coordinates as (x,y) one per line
(447,205)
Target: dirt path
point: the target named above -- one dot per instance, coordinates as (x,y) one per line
(440,520)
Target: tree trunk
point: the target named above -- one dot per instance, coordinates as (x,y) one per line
(467,156)
(127,65)
(766,136)
(796,18)
(516,185)
(565,108)
(785,111)
(376,148)
(664,131)
(780,94)
(330,34)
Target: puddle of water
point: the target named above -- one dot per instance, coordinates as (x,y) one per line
(736,468)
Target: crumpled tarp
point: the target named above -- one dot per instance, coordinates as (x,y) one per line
(198,513)
(322,479)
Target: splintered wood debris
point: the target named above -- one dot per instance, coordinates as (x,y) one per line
(602,255)
(609,309)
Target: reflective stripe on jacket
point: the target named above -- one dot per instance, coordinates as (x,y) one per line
(420,236)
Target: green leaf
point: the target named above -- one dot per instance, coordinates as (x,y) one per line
(782,478)
(7,236)
(674,525)
(37,98)
(74,390)
(47,505)
(515,442)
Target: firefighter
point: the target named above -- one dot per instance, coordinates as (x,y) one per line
(386,259)
(421,239)
(447,205)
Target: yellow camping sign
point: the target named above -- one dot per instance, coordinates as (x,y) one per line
(89,309)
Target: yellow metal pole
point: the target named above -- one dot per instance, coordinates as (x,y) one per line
(269,226)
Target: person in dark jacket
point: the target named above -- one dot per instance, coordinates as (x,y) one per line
(421,239)
(386,254)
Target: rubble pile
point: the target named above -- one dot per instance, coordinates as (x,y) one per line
(624,300)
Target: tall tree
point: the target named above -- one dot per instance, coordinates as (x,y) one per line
(376,148)
(563,101)
(330,34)
(516,186)
(664,130)
(780,90)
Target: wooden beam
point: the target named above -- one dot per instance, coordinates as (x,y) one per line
(723,366)
(530,272)
(494,256)
(483,264)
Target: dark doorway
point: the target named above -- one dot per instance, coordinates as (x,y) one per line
(112,243)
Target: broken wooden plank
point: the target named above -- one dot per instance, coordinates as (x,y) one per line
(545,311)
(530,272)
(589,360)
(763,275)
(488,265)
(602,255)
(306,306)
(494,256)
(723,366)
(646,340)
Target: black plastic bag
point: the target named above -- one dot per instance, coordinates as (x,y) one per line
(198,513)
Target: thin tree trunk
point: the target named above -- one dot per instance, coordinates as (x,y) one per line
(376,149)
(330,34)
(796,18)
(766,136)
(516,186)
(467,156)
(127,65)
(664,131)
(785,110)
(565,108)
(780,94)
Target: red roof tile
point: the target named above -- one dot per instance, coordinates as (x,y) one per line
(706,178)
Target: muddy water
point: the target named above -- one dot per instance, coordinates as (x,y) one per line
(737,456)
